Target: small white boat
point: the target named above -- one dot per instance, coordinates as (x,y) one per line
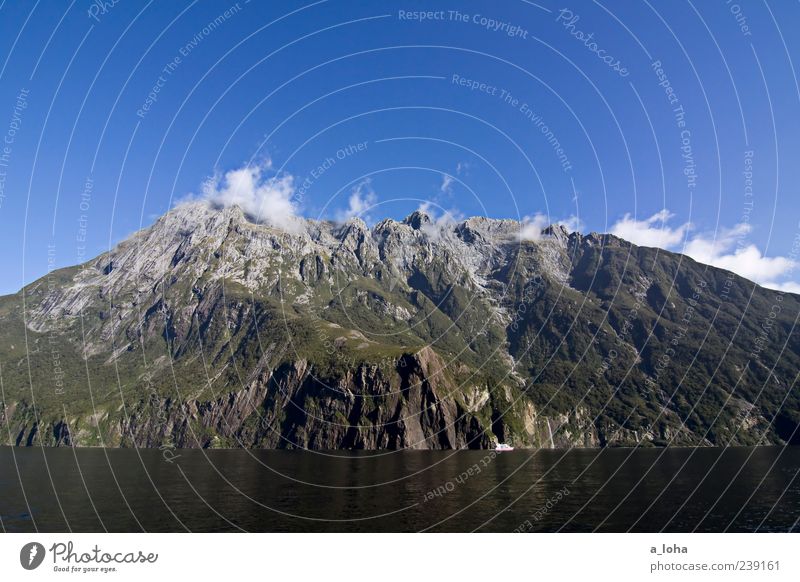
(503,447)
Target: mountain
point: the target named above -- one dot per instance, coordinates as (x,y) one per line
(209,330)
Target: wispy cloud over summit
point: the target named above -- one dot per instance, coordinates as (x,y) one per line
(265,198)
(362,199)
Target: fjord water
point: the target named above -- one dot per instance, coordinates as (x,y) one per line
(704,489)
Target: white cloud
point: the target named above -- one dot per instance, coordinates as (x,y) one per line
(728,249)
(786,287)
(648,233)
(448,180)
(531,227)
(447,184)
(439,223)
(264,199)
(572,224)
(362,198)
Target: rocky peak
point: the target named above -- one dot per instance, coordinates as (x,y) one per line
(357,239)
(417,219)
(354,227)
(557,232)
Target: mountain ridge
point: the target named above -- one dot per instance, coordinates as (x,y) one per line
(208,329)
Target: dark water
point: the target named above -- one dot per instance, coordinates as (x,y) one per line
(741,489)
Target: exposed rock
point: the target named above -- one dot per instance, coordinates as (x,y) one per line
(207,329)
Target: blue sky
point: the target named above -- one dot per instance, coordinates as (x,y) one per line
(672,124)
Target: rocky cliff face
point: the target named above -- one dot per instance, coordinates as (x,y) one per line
(207,330)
